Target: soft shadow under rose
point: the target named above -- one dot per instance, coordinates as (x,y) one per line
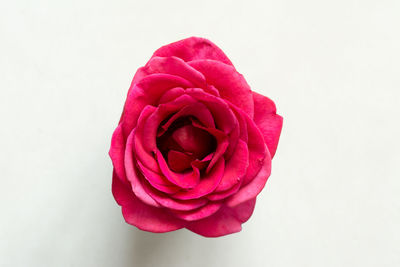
(194,144)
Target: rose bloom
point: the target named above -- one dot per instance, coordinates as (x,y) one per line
(194,144)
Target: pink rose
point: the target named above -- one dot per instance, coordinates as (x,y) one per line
(194,144)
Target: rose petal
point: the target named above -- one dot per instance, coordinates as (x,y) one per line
(122,191)
(149,134)
(241,122)
(147,92)
(194,140)
(171,95)
(157,180)
(193,48)
(235,167)
(144,217)
(200,213)
(178,161)
(224,194)
(117,153)
(203,163)
(230,83)
(254,187)
(175,66)
(141,154)
(184,180)
(197,110)
(132,174)
(211,90)
(207,184)
(244,210)
(224,118)
(269,123)
(175,204)
(225,221)
(222,143)
(257,150)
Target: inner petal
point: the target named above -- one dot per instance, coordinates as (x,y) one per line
(194,140)
(179,161)
(184,143)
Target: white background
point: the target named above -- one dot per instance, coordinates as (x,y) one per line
(332,67)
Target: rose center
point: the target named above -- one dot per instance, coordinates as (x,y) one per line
(183,143)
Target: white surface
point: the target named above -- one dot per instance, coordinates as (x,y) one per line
(332,68)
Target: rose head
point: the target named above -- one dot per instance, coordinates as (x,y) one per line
(194,144)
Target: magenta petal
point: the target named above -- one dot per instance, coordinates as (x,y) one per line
(149,135)
(122,191)
(193,48)
(147,91)
(176,204)
(269,123)
(224,118)
(149,218)
(203,163)
(235,167)
(224,194)
(244,210)
(178,161)
(230,83)
(132,174)
(211,90)
(225,221)
(194,140)
(233,138)
(141,154)
(254,187)
(207,184)
(157,180)
(117,153)
(200,213)
(185,180)
(257,150)
(175,66)
(143,216)
(171,95)
(197,110)
(241,121)
(222,143)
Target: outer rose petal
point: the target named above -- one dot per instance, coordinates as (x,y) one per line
(147,91)
(193,48)
(117,153)
(269,123)
(231,84)
(132,174)
(252,189)
(175,204)
(171,94)
(157,180)
(225,221)
(224,194)
(122,192)
(142,216)
(235,168)
(141,153)
(199,213)
(257,150)
(175,66)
